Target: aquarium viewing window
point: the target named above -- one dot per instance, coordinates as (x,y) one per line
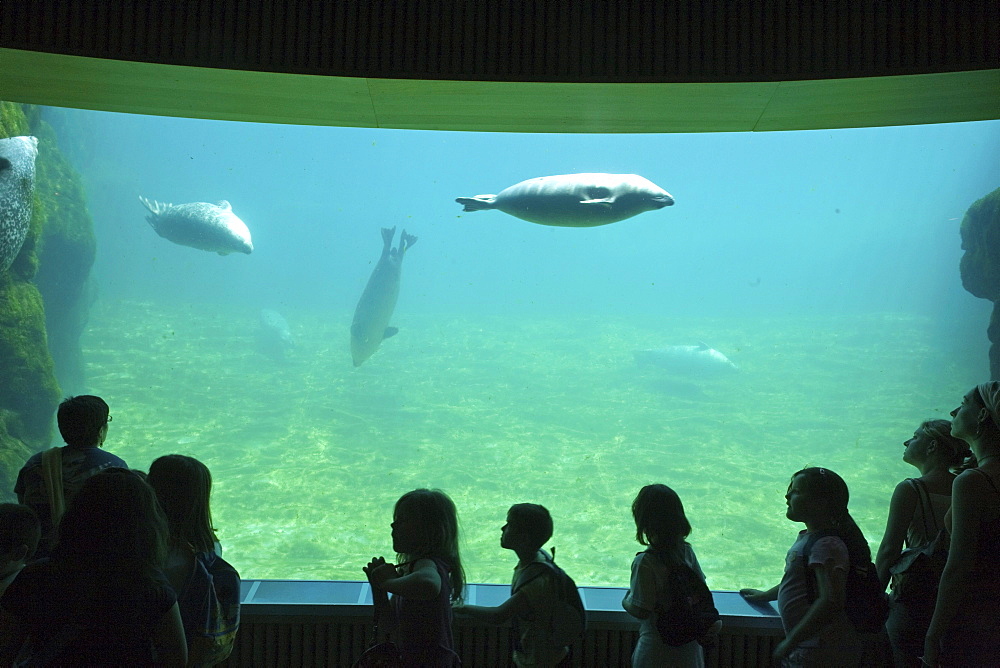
(556,365)
(798,304)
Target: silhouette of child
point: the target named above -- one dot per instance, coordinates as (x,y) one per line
(533,599)
(183,487)
(661,525)
(817,630)
(428,578)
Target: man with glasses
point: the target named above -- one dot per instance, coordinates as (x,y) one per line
(50,478)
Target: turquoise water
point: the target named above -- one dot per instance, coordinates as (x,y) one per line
(310,454)
(824,264)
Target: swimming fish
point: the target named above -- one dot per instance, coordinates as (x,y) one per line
(575,200)
(17,187)
(209,227)
(374,309)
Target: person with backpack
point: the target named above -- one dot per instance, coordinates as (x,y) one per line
(916,516)
(814,588)
(426,582)
(657,582)
(49,479)
(964,629)
(207,586)
(544,603)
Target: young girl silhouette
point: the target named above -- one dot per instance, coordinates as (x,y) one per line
(427,579)
(811,596)
(660,523)
(916,515)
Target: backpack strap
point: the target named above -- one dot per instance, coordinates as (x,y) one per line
(52,475)
(547,566)
(924,500)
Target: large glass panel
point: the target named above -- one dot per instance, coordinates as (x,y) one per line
(823,264)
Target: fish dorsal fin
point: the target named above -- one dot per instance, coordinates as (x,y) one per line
(703,346)
(389,331)
(224,204)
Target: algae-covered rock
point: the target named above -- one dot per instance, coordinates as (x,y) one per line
(29,392)
(980,265)
(67,249)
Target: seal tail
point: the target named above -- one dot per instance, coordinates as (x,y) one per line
(477,203)
(387,234)
(405,241)
(155,208)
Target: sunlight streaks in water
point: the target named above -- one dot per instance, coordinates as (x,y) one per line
(309,454)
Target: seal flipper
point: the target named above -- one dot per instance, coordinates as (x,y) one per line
(390,331)
(405,241)
(606,202)
(387,234)
(477,203)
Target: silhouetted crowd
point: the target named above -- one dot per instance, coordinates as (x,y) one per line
(105,565)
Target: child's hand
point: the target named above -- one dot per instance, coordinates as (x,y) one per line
(754,596)
(379,571)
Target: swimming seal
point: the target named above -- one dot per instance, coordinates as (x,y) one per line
(17,187)
(575,200)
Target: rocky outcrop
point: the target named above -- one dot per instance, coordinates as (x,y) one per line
(43,300)
(980,265)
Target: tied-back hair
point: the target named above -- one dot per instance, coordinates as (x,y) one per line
(438,518)
(955,453)
(660,522)
(183,486)
(114,518)
(827,485)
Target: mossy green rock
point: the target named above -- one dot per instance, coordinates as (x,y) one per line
(980,265)
(29,392)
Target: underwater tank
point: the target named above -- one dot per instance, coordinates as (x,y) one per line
(533,362)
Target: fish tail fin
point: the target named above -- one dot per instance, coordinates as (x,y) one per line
(477,203)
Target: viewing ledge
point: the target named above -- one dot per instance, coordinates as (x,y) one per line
(354,599)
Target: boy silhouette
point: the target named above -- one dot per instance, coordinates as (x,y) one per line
(532,604)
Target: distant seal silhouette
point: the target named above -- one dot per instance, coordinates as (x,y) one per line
(17,187)
(575,200)
(692,361)
(274,336)
(371,317)
(209,227)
